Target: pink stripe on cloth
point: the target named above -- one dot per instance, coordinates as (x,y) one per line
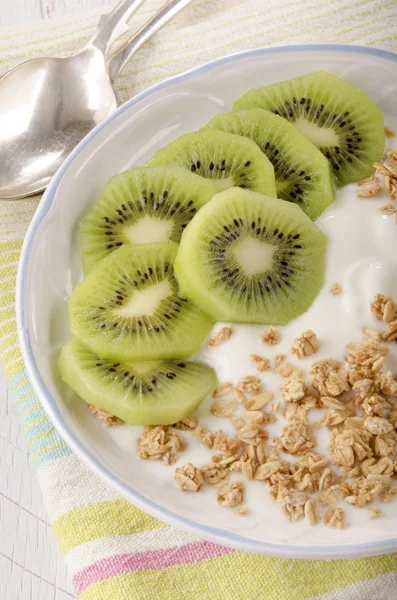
(153,559)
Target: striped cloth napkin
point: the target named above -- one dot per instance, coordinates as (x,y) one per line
(113,550)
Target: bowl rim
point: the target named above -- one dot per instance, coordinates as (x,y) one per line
(218,536)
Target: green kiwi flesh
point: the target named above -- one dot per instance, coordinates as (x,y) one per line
(336,116)
(128,308)
(140,393)
(251,258)
(226,159)
(303,174)
(141,206)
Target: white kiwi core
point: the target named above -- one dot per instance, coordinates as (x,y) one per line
(253,255)
(149,229)
(319,136)
(223,184)
(144,302)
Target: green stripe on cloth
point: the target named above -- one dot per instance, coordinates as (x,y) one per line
(244,576)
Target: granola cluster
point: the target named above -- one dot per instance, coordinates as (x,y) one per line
(160,443)
(384,180)
(104,416)
(305,345)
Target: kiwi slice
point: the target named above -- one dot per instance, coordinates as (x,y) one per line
(334,115)
(303,174)
(228,160)
(128,307)
(251,258)
(141,206)
(140,393)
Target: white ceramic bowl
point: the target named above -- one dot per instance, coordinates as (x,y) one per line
(50,268)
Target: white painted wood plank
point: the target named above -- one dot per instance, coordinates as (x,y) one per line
(17,481)
(16,583)
(57,8)
(26,538)
(24,11)
(10,429)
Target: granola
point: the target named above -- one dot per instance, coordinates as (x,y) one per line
(104,416)
(293,388)
(160,443)
(222,390)
(292,502)
(219,337)
(296,438)
(327,498)
(270,337)
(242,511)
(375,513)
(239,395)
(369,188)
(335,517)
(260,362)
(249,384)
(279,358)
(204,435)
(312,512)
(360,414)
(329,377)
(225,445)
(377,425)
(361,491)
(214,474)
(384,308)
(188,478)
(389,209)
(287,369)
(305,345)
(259,401)
(187,424)
(223,408)
(390,333)
(336,289)
(388,170)
(231,495)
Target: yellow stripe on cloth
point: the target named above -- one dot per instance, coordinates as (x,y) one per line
(114,517)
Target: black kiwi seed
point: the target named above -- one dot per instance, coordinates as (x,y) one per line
(233,276)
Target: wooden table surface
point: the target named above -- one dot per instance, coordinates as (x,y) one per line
(31,567)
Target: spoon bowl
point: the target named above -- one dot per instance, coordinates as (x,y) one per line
(47,106)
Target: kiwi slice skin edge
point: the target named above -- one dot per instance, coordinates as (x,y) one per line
(141,205)
(156,393)
(303,174)
(336,116)
(249,258)
(128,307)
(227,160)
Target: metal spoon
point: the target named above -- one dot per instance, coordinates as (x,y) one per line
(47,105)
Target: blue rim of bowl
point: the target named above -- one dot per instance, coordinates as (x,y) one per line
(214,534)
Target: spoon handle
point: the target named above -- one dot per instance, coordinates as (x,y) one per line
(113,25)
(118,60)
